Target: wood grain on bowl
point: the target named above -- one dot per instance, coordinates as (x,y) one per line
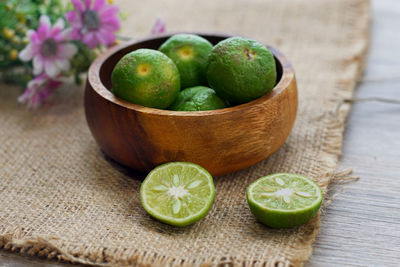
(222,141)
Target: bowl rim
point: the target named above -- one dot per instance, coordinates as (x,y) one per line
(97,85)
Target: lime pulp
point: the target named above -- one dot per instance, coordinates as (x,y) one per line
(178,193)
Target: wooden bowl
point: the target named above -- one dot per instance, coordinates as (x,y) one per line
(222,141)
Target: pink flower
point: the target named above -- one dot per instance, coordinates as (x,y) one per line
(158,27)
(38,90)
(49,48)
(93,24)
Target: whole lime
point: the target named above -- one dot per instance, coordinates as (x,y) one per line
(190,53)
(146,77)
(197,98)
(241,70)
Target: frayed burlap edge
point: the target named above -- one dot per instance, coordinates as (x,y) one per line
(46,247)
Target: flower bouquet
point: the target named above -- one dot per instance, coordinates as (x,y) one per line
(44,43)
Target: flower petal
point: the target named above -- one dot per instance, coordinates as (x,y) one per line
(44,21)
(63,63)
(111,24)
(78,5)
(44,27)
(109,11)
(100,38)
(35,40)
(29,33)
(88,4)
(54,32)
(63,35)
(158,27)
(26,54)
(39,80)
(90,40)
(51,69)
(54,84)
(38,90)
(71,16)
(59,24)
(67,50)
(98,4)
(44,93)
(25,96)
(74,19)
(42,32)
(76,34)
(37,65)
(105,37)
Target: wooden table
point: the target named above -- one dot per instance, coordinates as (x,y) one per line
(362,226)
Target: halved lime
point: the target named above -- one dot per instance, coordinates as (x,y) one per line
(284,200)
(178,193)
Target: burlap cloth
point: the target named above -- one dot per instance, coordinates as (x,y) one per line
(60,198)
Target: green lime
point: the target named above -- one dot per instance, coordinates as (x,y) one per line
(197,98)
(190,53)
(284,200)
(241,70)
(146,77)
(178,193)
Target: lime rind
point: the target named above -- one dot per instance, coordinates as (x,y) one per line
(178,193)
(241,70)
(197,98)
(146,77)
(190,53)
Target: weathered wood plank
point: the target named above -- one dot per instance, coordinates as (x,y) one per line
(362,227)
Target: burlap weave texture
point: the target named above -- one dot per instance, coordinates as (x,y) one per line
(60,198)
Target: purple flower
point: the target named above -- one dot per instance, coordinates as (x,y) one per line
(49,48)
(93,24)
(38,90)
(158,27)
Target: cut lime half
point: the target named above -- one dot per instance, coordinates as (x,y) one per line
(178,193)
(284,200)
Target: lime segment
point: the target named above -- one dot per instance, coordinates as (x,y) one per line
(178,193)
(284,200)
